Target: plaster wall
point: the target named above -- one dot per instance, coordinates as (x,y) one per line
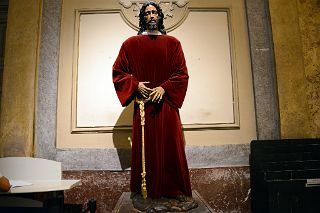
(19,78)
(295,27)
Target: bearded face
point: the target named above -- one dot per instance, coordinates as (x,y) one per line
(152,25)
(151,17)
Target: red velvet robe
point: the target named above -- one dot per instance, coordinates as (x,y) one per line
(159,60)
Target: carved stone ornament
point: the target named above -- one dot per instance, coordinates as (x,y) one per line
(175,12)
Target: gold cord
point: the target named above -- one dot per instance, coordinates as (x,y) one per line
(141,103)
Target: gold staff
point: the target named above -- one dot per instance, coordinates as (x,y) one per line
(141,103)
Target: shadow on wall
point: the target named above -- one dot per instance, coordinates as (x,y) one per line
(122,134)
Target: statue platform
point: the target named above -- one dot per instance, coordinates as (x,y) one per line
(124,204)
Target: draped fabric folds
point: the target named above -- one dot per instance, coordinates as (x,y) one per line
(157,59)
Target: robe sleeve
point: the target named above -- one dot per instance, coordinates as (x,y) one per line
(176,86)
(124,83)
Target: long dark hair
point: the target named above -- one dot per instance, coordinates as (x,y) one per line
(142,20)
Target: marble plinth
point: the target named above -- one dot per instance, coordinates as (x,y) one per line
(124,204)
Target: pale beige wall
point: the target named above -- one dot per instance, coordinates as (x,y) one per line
(295,25)
(19,78)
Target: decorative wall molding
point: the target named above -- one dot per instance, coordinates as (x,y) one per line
(175,12)
(82,123)
(129,3)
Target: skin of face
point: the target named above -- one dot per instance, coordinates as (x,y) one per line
(151,16)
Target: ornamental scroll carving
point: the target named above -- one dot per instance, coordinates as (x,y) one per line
(175,12)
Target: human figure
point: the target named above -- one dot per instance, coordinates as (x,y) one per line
(152,65)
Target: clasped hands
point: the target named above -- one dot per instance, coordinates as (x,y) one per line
(156,94)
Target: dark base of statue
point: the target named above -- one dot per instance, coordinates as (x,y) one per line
(178,204)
